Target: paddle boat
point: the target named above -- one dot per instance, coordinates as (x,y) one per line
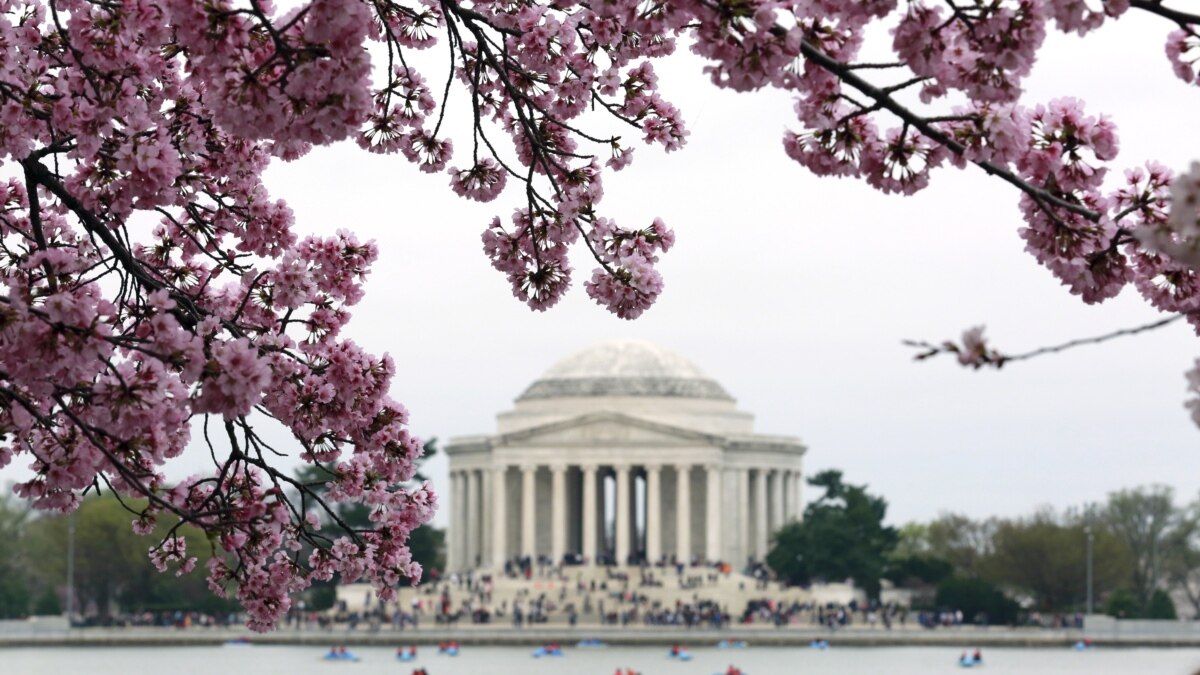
(448,648)
(590,642)
(339,654)
(733,670)
(548,650)
(679,653)
(731,644)
(819,644)
(238,642)
(406,653)
(1083,645)
(971,660)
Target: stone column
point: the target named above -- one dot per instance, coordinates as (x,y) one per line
(499,517)
(528,516)
(473,512)
(454,554)
(712,516)
(621,546)
(743,517)
(797,495)
(683,513)
(760,514)
(653,514)
(785,486)
(776,482)
(789,491)
(485,522)
(589,513)
(558,513)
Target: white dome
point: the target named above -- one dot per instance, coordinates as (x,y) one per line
(625,368)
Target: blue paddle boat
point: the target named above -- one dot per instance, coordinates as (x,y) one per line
(590,642)
(679,655)
(340,654)
(731,644)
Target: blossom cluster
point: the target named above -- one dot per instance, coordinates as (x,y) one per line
(1095,233)
(148,279)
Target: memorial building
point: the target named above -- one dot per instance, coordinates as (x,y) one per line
(621,452)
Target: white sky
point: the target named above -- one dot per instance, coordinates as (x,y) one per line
(794,292)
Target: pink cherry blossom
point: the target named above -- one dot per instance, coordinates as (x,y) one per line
(149,278)
(482,182)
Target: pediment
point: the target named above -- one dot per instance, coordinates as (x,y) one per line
(611,429)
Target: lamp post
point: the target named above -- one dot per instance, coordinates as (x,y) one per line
(1088,530)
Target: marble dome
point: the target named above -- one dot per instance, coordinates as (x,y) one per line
(625,368)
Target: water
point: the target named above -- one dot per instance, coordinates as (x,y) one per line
(271,660)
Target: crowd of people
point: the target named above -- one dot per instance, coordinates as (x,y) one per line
(620,598)
(163,619)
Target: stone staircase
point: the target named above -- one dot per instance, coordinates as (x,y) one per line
(731,591)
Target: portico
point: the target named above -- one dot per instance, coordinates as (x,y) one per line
(622,452)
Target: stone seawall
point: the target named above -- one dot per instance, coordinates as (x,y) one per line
(641,636)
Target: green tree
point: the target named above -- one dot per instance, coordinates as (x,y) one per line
(112,568)
(1046,556)
(910,563)
(979,600)
(1160,606)
(842,536)
(917,570)
(960,541)
(1182,566)
(1122,604)
(14,577)
(1147,520)
(47,603)
(106,552)
(912,541)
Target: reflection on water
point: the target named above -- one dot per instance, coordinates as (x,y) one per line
(708,660)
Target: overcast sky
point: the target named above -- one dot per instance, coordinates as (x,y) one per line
(794,292)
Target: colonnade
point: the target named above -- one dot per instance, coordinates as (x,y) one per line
(622,512)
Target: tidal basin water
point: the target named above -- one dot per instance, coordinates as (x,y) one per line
(289,660)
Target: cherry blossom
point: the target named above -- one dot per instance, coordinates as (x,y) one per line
(150,284)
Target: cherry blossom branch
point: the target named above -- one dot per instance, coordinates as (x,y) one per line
(974,350)
(885,101)
(1184,19)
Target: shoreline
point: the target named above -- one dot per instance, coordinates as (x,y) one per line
(642,636)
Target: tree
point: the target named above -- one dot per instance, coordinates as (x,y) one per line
(842,536)
(15,597)
(150,279)
(1160,606)
(917,570)
(108,554)
(1182,565)
(1147,521)
(979,600)
(911,563)
(112,570)
(961,541)
(1046,556)
(1123,605)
